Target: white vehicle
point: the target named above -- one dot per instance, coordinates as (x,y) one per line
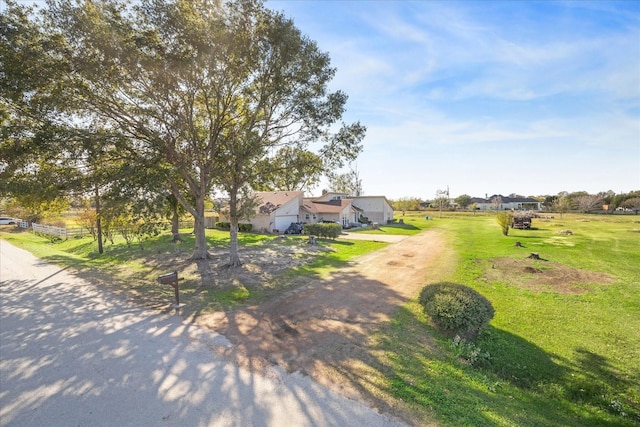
(8,221)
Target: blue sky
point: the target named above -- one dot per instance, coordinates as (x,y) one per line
(486,97)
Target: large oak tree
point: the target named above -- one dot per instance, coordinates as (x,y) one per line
(206,92)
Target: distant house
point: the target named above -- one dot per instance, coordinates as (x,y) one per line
(340,211)
(374,208)
(506,203)
(276,210)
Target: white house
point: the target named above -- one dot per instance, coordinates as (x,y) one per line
(375,208)
(341,211)
(506,203)
(276,210)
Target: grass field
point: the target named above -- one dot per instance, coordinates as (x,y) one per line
(553,354)
(548,358)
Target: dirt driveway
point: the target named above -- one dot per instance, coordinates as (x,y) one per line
(323,327)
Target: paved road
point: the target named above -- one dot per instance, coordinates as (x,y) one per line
(73,354)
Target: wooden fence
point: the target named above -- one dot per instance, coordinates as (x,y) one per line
(63,233)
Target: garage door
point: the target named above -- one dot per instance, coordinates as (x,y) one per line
(283,222)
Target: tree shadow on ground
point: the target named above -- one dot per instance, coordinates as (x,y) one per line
(517,382)
(320,330)
(73,353)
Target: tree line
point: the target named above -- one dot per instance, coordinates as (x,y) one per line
(580,201)
(154,106)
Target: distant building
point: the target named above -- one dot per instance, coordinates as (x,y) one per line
(506,203)
(276,210)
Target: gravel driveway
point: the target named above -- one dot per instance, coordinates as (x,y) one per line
(72,353)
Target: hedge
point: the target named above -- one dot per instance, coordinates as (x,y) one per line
(227,226)
(323,230)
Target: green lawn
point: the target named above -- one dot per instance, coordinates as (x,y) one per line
(135,269)
(547,359)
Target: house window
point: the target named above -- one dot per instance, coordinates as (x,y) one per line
(306,216)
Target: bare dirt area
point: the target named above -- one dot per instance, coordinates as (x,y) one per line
(544,276)
(322,327)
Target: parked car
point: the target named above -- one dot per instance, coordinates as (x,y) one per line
(8,221)
(295,228)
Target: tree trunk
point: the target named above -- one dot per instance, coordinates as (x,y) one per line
(98,222)
(234,258)
(201,250)
(175,225)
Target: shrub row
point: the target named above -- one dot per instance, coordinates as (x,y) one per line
(323,230)
(227,226)
(456,309)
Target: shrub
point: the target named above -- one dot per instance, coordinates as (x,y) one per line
(456,309)
(227,226)
(504,220)
(323,230)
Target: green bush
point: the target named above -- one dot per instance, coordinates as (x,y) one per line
(227,226)
(323,230)
(504,219)
(456,309)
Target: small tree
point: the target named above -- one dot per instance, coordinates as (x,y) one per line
(463,201)
(562,204)
(442,200)
(89,220)
(504,220)
(406,204)
(588,202)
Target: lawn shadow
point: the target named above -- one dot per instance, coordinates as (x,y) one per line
(592,378)
(516,360)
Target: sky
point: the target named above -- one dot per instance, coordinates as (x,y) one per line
(485,97)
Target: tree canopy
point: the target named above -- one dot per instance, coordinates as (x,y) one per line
(207,95)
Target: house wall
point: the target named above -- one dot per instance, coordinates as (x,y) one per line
(280,218)
(348,216)
(262,223)
(333,217)
(331,196)
(292,207)
(377,209)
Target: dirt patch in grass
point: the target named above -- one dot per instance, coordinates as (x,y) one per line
(543,276)
(322,327)
(260,264)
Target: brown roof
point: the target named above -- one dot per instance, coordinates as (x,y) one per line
(272,200)
(332,206)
